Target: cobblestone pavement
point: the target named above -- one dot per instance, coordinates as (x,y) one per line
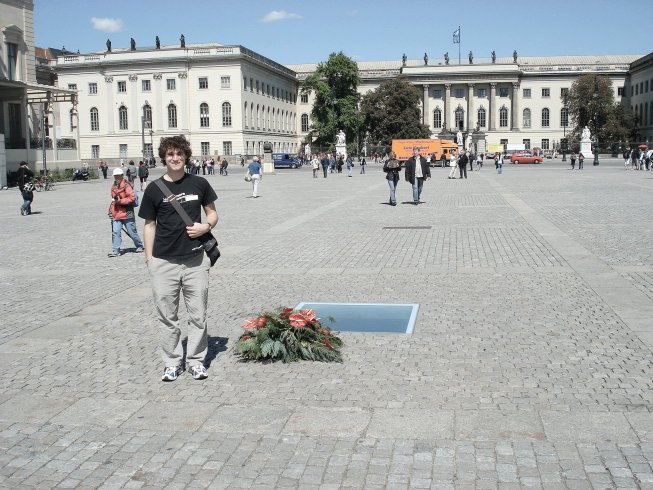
(530,364)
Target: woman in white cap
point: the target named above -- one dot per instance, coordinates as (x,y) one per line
(121,211)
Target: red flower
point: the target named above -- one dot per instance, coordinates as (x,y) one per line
(245,337)
(250,323)
(285,313)
(297,320)
(262,320)
(328,344)
(309,315)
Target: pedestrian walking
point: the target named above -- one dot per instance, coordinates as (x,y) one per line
(479,161)
(121,211)
(26,188)
(581,159)
(103,168)
(498,162)
(315,163)
(143,174)
(462,164)
(362,163)
(350,165)
(573,160)
(225,164)
(453,164)
(131,172)
(416,171)
(176,261)
(256,173)
(392,168)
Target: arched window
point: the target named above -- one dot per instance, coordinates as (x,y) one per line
(122,117)
(304,123)
(460,118)
(268,120)
(480,118)
(262,115)
(226,114)
(172,116)
(245,116)
(526,119)
(564,117)
(503,117)
(258,117)
(545,118)
(204,115)
(95,119)
(147,116)
(437,118)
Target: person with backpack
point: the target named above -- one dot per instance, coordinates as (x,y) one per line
(131,172)
(121,211)
(26,188)
(143,174)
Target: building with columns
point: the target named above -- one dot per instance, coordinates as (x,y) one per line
(506,100)
(639,90)
(229,100)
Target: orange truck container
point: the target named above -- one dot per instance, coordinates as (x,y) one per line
(404,148)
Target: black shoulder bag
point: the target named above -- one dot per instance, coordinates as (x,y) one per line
(208,241)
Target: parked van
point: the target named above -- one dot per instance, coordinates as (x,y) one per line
(285,160)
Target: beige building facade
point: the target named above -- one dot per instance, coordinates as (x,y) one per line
(639,93)
(229,100)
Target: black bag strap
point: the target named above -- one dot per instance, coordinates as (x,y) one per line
(173,200)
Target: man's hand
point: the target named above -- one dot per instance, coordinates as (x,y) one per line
(198,229)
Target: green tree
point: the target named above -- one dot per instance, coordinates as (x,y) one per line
(392,112)
(334,84)
(608,120)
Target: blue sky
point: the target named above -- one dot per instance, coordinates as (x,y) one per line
(295,31)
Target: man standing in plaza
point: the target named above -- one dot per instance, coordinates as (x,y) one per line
(417,169)
(325,164)
(175,258)
(462,164)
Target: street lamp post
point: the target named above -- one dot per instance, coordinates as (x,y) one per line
(564,129)
(595,95)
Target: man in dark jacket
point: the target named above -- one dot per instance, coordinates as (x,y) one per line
(325,164)
(26,189)
(462,164)
(417,169)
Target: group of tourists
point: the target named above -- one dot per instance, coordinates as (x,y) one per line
(206,166)
(638,158)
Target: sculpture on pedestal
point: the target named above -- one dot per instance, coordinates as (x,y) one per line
(459,138)
(182,40)
(158,43)
(403,60)
(446,58)
(494,57)
(133,44)
(471,58)
(586,135)
(426,59)
(109,45)
(341,138)
(514,56)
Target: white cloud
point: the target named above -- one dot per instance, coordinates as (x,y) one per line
(106,24)
(277,15)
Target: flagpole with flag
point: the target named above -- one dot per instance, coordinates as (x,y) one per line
(456,40)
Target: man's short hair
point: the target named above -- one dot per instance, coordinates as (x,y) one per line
(177,143)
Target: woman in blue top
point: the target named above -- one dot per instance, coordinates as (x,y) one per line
(256,172)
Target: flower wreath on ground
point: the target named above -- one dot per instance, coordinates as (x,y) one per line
(289,336)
